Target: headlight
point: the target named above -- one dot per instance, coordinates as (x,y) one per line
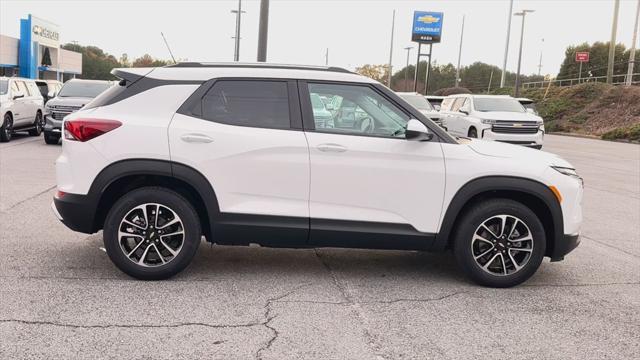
(47,108)
(568,171)
(487,121)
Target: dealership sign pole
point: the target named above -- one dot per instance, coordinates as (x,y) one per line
(581,57)
(427,29)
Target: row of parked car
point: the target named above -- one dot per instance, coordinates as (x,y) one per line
(38,106)
(489,117)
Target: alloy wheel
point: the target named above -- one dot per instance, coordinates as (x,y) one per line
(502,245)
(151,235)
(8,127)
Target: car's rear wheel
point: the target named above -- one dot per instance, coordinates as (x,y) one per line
(152,233)
(51,139)
(37,125)
(6,130)
(499,243)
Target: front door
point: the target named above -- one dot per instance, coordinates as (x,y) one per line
(367,181)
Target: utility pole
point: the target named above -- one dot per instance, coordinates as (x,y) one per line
(540,62)
(326,57)
(393,23)
(406,69)
(460,53)
(523,13)
(490,78)
(263,29)
(612,43)
(632,56)
(236,53)
(506,46)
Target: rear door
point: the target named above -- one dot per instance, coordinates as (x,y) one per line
(245,136)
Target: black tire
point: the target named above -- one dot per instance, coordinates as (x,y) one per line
(167,198)
(473,133)
(37,125)
(6,130)
(51,139)
(470,223)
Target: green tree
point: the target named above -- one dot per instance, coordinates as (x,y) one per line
(379,73)
(96,64)
(147,61)
(598,60)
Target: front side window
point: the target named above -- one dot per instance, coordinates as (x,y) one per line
(446,104)
(358,110)
(418,101)
(252,103)
(458,104)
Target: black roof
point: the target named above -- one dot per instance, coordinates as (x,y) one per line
(258,65)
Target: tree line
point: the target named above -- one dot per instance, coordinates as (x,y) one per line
(97,64)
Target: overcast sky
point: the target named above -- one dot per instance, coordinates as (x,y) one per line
(356,32)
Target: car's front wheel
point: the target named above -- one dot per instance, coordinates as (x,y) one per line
(152,233)
(51,139)
(499,243)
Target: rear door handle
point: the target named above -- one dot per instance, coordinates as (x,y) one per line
(331,148)
(196,138)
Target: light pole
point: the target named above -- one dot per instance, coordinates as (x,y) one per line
(523,13)
(459,53)
(540,62)
(393,24)
(506,46)
(612,43)
(263,30)
(236,52)
(632,56)
(406,69)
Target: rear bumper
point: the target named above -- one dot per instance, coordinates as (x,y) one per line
(76,212)
(565,246)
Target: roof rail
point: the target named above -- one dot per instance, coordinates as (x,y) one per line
(258,65)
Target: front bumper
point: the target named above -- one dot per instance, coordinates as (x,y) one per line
(52,125)
(76,212)
(565,246)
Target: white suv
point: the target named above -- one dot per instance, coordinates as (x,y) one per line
(21,107)
(492,117)
(233,153)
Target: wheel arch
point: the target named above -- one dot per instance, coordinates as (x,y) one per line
(533,194)
(123,176)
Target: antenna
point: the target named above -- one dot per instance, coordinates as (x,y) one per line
(168,48)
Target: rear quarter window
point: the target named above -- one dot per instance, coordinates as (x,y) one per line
(105,97)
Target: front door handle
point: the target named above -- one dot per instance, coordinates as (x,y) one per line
(331,148)
(196,138)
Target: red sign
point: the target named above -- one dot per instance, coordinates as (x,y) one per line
(582,56)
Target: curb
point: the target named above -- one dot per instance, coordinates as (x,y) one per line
(594,137)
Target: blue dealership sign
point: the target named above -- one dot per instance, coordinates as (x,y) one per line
(427,27)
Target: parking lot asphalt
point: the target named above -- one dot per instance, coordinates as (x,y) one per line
(60,296)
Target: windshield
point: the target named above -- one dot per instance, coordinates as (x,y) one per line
(418,102)
(4,86)
(83,89)
(497,104)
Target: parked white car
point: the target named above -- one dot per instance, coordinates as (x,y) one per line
(422,104)
(236,153)
(492,117)
(21,107)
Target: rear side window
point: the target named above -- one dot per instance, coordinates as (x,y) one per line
(105,97)
(263,104)
(458,103)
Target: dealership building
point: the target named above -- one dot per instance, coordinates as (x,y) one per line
(37,53)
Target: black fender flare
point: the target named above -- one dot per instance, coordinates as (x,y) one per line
(498,184)
(166,168)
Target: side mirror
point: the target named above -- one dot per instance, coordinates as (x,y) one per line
(18,95)
(51,94)
(464,111)
(417,131)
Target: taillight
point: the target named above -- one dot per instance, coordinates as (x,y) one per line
(87,129)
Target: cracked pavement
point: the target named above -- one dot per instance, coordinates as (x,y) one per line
(60,297)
